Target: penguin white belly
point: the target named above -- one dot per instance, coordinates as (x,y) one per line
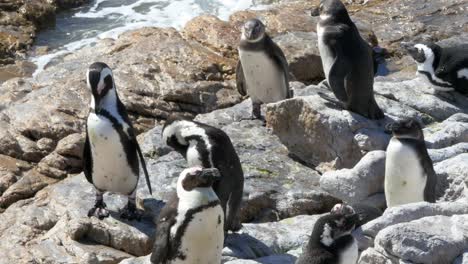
(265,82)
(350,254)
(326,53)
(405,180)
(203,240)
(111,171)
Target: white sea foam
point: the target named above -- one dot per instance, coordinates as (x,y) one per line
(143,13)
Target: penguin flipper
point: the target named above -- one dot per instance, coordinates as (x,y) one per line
(431,181)
(143,164)
(87,159)
(166,219)
(240,79)
(277,55)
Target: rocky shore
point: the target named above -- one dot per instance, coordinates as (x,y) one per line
(310,156)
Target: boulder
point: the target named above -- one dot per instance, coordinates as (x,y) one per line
(356,185)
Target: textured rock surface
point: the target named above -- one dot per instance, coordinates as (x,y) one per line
(360,183)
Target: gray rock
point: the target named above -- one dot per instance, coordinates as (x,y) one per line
(357,184)
(452,178)
(452,131)
(436,239)
(438,155)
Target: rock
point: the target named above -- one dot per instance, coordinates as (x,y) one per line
(452,178)
(274,259)
(450,132)
(215,33)
(438,155)
(302,53)
(357,184)
(436,239)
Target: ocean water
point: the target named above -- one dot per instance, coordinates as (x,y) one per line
(84,26)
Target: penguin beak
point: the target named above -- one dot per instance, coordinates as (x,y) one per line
(392,127)
(315,12)
(97,104)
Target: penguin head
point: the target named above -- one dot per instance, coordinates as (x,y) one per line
(253,30)
(423,53)
(407,128)
(101,83)
(198,177)
(332,9)
(333,226)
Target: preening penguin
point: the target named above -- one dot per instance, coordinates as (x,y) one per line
(210,147)
(190,226)
(409,173)
(445,68)
(347,60)
(111,155)
(331,241)
(262,71)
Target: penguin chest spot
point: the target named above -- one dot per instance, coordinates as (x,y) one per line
(350,253)
(203,240)
(265,81)
(111,170)
(405,179)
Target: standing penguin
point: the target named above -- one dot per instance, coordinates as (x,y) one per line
(445,68)
(190,226)
(331,241)
(262,71)
(210,147)
(111,155)
(347,60)
(409,174)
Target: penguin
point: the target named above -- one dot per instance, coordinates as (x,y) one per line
(262,71)
(210,147)
(331,241)
(445,68)
(409,173)
(111,153)
(347,60)
(190,226)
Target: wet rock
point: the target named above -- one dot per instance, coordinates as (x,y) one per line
(356,185)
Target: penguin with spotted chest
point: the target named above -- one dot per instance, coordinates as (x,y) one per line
(111,153)
(210,147)
(190,228)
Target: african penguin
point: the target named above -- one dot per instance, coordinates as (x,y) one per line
(409,173)
(262,71)
(331,241)
(190,226)
(347,60)
(210,147)
(111,154)
(445,68)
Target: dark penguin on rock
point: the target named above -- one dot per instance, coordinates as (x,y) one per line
(210,147)
(409,173)
(111,155)
(347,60)
(445,68)
(190,228)
(262,71)
(331,241)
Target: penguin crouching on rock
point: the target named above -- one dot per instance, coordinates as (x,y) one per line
(331,241)
(262,71)
(409,173)
(190,228)
(445,68)
(111,154)
(347,60)
(210,147)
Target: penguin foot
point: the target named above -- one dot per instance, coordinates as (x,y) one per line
(99,211)
(130,212)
